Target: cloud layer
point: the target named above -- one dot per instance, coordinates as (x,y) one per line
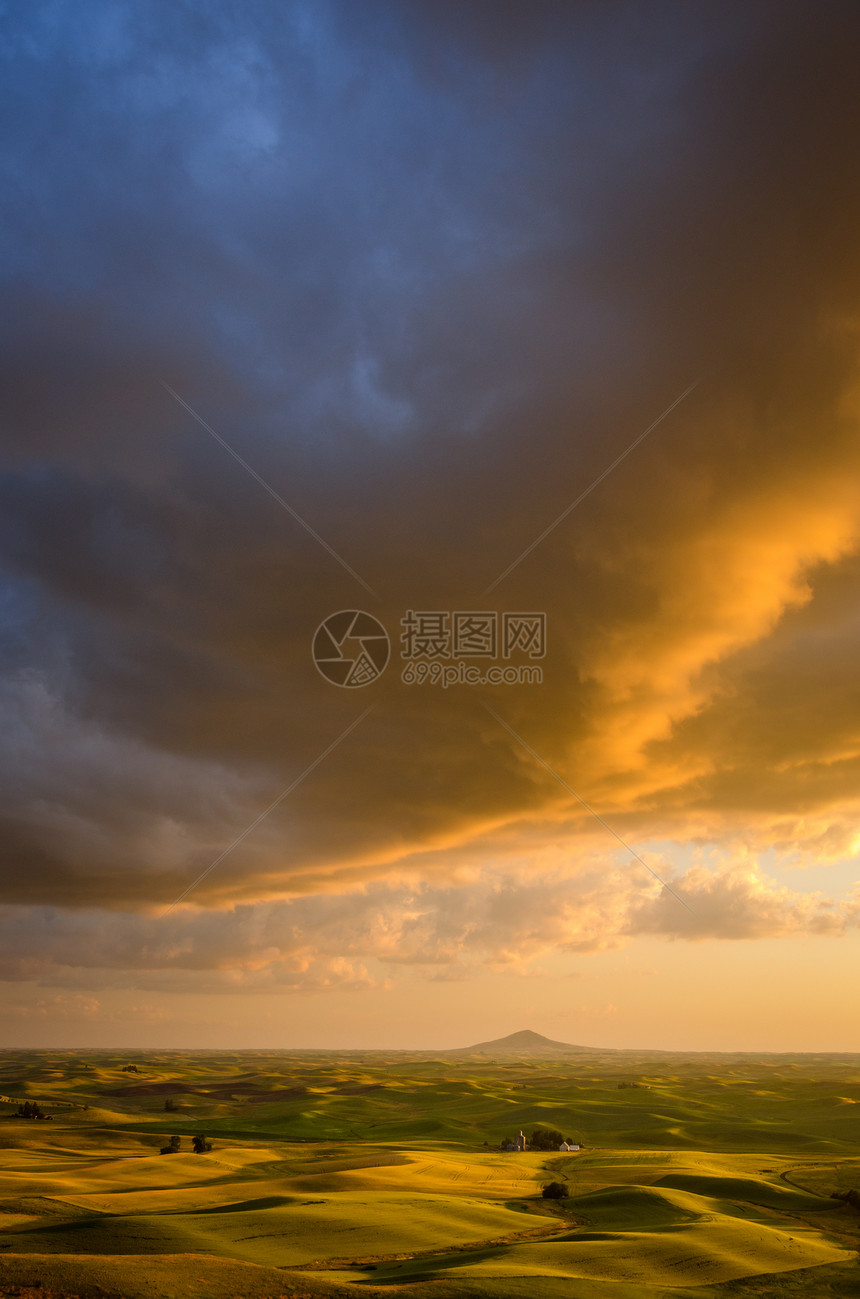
(368,939)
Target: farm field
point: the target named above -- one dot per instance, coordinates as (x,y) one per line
(365,1173)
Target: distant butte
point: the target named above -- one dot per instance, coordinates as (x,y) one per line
(525,1042)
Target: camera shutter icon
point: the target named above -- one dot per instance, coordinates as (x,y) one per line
(351,648)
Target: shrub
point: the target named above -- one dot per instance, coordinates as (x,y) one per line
(554,1191)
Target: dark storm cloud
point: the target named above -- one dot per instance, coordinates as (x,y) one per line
(428,269)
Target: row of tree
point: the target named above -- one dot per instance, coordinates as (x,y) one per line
(199,1145)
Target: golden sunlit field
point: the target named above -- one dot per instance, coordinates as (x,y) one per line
(374,1173)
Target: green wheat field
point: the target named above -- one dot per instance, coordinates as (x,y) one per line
(364,1173)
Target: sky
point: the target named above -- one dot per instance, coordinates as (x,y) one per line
(529,331)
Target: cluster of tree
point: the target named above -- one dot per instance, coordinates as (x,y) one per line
(199,1145)
(130,1068)
(32,1110)
(541,1139)
(554,1191)
(170,1105)
(849,1197)
(645,1086)
(545,1139)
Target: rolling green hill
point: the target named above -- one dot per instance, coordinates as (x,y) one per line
(354,1172)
